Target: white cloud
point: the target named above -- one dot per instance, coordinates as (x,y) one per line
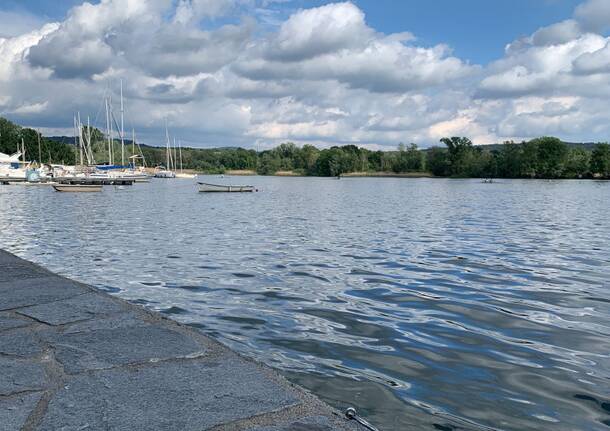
(323,76)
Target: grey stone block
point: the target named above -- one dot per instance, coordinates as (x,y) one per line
(22,293)
(106,348)
(112,321)
(19,375)
(169,396)
(8,321)
(19,342)
(14,411)
(82,307)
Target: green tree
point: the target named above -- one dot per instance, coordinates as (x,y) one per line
(577,163)
(461,155)
(438,162)
(600,160)
(552,157)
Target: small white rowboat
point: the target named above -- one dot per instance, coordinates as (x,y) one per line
(207,188)
(78,187)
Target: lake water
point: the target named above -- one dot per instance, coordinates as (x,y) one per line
(426,303)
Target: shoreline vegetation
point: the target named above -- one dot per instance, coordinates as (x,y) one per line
(457,157)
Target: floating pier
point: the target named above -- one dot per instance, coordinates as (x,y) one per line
(75,358)
(95,181)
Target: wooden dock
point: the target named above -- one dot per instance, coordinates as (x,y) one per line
(74,358)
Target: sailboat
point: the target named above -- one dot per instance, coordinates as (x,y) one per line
(182,174)
(165,171)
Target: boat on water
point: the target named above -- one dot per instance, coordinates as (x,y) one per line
(164,173)
(77,187)
(211,188)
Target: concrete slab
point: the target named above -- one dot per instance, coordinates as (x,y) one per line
(10,321)
(82,307)
(19,342)
(183,395)
(14,411)
(19,376)
(26,292)
(106,348)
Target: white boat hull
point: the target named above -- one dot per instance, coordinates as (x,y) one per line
(165,174)
(78,187)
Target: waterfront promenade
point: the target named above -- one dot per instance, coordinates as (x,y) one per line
(74,358)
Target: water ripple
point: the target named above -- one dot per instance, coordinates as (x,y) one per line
(427,304)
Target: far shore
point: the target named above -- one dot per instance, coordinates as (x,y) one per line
(372,174)
(389,174)
(247,172)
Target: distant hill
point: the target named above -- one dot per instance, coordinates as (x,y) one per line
(589,146)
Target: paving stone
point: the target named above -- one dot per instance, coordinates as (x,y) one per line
(19,271)
(14,411)
(82,307)
(169,396)
(8,321)
(106,348)
(19,342)
(112,321)
(18,375)
(22,293)
(312,423)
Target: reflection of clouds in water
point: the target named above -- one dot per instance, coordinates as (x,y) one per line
(425,292)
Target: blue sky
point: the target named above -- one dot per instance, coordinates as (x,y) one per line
(477,30)
(261,72)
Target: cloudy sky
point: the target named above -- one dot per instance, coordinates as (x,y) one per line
(256,73)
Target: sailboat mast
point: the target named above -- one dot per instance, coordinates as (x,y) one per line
(175,167)
(122,129)
(39,149)
(108,132)
(133,146)
(180,149)
(75,143)
(167,149)
(80,139)
(89,145)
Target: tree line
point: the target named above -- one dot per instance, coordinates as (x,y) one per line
(48,151)
(544,157)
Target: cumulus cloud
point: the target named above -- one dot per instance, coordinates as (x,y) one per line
(333,42)
(313,32)
(322,75)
